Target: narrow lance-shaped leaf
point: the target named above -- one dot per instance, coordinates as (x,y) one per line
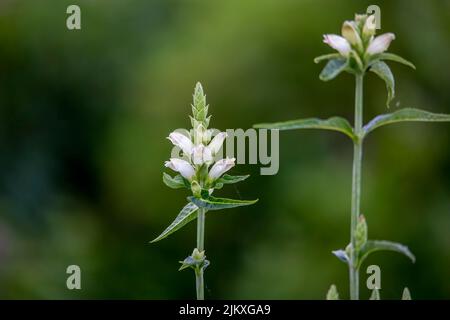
(382,245)
(213,203)
(384,72)
(327,57)
(229,179)
(396,58)
(332,69)
(176,182)
(186,215)
(405,115)
(335,123)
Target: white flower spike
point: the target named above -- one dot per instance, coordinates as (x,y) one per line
(220,167)
(338,43)
(182,167)
(380,44)
(201,155)
(181,141)
(217,142)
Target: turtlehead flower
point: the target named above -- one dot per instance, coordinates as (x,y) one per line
(181,141)
(351,34)
(220,167)
(201,155)
(380,44)
(217,142)
(370,27)
(182,167)
(338,43)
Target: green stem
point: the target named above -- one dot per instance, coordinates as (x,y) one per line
(356,187)
(200,246)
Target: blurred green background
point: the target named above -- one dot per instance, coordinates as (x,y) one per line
(84,117)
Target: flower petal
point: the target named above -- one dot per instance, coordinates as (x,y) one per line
(181,166)
(338,43)
(380,43)
(220,167)
(217,142)
(181,141)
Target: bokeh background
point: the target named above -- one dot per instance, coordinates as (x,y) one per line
(84,117)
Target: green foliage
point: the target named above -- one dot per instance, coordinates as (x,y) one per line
(228,179)
(383,245)
(213,203)
(175,182)
(186,215)
(196,261)
(405,115)
(335,123)
(395,58)
(382,70)
(332,69)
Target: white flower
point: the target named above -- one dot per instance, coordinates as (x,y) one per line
(217,142)
(181,166)
(350,32)
(380,43)
(337,42)
(181,141)
(369,26)
(201,154)
(199,134)
(220,167)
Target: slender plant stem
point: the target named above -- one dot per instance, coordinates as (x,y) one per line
(200,246)
(356,187)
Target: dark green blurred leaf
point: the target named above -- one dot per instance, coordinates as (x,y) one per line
(176,182)
(186,215)
(212,203)
(384,72)
(229,179)
(332,69)
(383,245)
(334,123)
(403,115)
(396,58)
(326,57)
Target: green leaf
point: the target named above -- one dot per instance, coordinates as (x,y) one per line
(406,294)
(384,72)
(334,123)
(176,182)
(327,57)
(212,203)
(332,69)
(382,245)
(407,114)
(229,179)
(332,293)
(186,215)
(396,58)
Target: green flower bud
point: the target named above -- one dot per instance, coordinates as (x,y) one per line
(199,107)
(351,33)
(196,189)
(361,233)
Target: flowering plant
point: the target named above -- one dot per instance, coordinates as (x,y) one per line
(360,51)
(201,172)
